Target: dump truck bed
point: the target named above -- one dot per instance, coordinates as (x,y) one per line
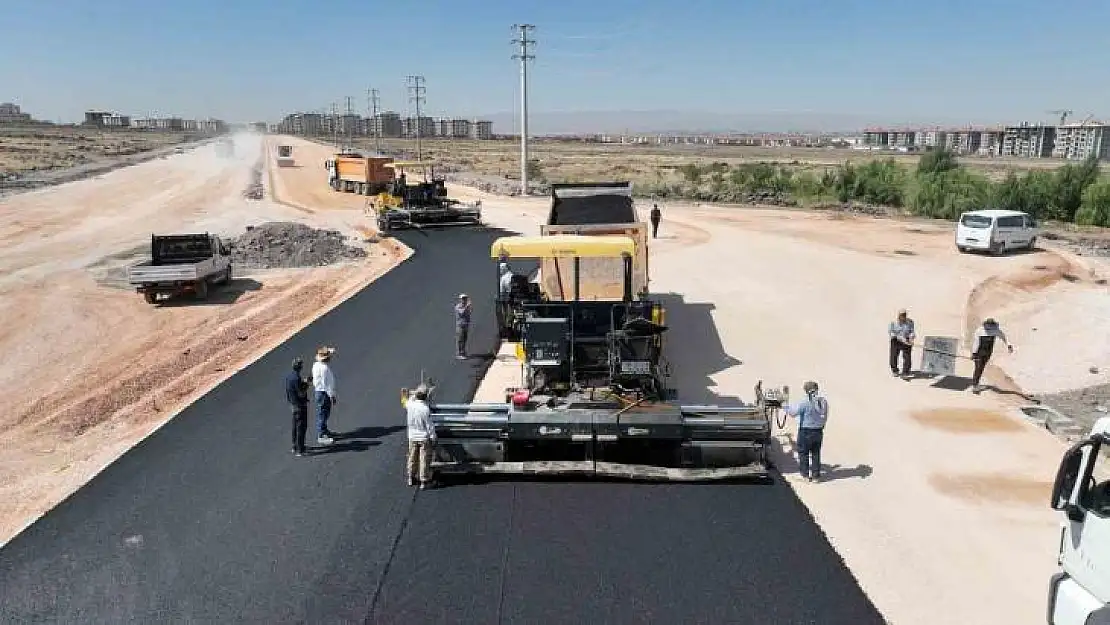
(363,169)
(591,209)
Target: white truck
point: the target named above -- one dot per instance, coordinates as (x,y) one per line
(181,263)
(1079,594)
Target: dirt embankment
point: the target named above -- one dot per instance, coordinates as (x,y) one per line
(120,367)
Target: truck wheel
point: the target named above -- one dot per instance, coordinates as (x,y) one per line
(997,248)
(150,298)
(201,289)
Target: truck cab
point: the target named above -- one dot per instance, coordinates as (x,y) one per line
(1079,594)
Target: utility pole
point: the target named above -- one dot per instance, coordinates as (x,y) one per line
(372,97)
(347,124)
(417,89)
(335,125)
(524,57)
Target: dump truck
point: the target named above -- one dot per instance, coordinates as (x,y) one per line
(596,209)
(181,263)
(285,156)
(355,173)
(593,399)
(406,204)
(1079,593)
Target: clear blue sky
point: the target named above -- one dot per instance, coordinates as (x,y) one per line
(252,59)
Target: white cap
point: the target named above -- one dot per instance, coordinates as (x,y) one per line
(462,295)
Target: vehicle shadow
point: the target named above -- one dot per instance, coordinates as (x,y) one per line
(694,351)
(218,295)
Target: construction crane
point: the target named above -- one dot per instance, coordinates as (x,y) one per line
(1063,113)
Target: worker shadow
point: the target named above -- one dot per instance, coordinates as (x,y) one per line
(694,351)
(960,384)
(359,439)
(218,295)
(785,460)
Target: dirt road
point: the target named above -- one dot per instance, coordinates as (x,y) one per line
(107,368)
(935,497)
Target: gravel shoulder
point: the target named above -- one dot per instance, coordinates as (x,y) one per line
(120,368)
(796,295)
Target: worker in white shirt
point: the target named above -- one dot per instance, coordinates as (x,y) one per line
(506,279)
(984,349)
(422,438)
(323,382)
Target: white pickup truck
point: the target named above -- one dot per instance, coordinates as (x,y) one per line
(181,263)
(1079,594)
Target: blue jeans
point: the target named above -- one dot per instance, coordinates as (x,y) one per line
(323,411)
(809,445)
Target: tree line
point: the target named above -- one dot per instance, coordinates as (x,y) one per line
(938,187)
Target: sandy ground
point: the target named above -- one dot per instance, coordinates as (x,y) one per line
(109,368)
(935,497)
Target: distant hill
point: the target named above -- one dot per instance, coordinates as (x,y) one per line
(694,122)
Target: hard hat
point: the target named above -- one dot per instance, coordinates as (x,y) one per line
(810,387)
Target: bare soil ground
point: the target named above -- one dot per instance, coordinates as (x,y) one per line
(109,368)
(498,162)
(935,497)
(33,156)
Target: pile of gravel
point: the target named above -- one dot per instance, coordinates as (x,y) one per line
(1085,405)
(283,244)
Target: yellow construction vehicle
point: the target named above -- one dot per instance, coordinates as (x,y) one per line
(593,397)
(406,204)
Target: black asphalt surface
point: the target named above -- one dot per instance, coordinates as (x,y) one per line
(211,519)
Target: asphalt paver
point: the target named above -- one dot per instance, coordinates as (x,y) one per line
(211,519)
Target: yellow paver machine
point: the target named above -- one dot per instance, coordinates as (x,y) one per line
(593,398)
(414,204)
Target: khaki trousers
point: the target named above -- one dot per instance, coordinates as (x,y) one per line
(420,461)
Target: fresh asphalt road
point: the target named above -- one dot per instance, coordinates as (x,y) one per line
(212,520)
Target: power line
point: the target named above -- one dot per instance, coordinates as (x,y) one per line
(347,124)
(524,42)
(416,91)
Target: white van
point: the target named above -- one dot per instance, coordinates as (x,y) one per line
(996,231)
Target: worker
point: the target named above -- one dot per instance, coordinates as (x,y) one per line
(506,279)
(462,325)
(323,381)
(985,337)
(812,413)
(296,393)
(902,335)
(655,217)
(422,438)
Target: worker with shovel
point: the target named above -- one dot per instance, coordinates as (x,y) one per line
(902,335)
(985,337)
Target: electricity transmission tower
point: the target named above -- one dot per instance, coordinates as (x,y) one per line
(524,42)
(416,91)
(335,125)
(372,102)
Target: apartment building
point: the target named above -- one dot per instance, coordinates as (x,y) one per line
(1080,141)
(1028,141)
(11,114)
(481,129)
(107,119)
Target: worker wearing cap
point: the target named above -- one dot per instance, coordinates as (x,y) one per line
(323,381)
(462,325)
(812,414)
(422,438)
(985,337)
(902,335)
(296,393)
